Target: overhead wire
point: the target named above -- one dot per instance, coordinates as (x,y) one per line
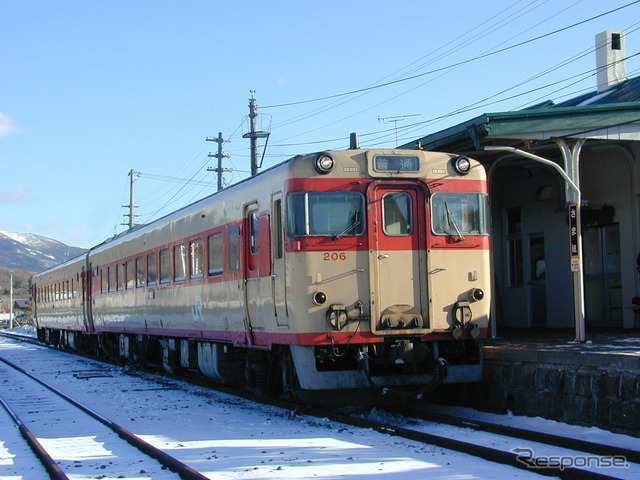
(446,70)
(175,196)
(404,78)
(580,78)
(463,62)
(450,45)
(484,102)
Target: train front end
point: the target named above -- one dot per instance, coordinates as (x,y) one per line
(388,254)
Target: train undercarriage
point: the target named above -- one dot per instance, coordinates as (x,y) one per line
(352,373)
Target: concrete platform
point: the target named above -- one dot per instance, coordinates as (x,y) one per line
(546,374)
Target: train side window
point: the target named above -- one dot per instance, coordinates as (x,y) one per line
(120,270)
(165,266)
(216,254)
(111,278)
(196,254)
(139,272)
(397,214)
(254,233)
(278,242)
(234,249)
(152,269)
(104,288)
(131,278)
(179,263)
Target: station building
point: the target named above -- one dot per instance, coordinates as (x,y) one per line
(583,153)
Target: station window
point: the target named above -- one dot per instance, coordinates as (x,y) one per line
(196,256)
(140,272)
(216,254)
(152,269)
(515,255)
(165,266)
(179,263)
(234,249)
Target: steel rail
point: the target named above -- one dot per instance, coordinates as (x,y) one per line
(49,464)
(552,469)
(521,433)
(486,453)
(184,471)
(22,338)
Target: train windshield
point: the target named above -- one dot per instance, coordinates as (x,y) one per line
(459,214)
(334,214)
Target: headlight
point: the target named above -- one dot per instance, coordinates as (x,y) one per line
(462,165)
(476,294)
(319,298)
(324,164)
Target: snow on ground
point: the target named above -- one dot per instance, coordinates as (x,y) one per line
(229,438)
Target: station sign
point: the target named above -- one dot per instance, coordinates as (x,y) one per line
(574,237)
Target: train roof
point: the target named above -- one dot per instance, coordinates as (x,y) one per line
(139,230)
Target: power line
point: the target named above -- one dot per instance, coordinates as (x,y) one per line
(473,59)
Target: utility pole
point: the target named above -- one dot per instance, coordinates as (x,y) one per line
(254,134)
(11,301)
(132,216)
(219,170)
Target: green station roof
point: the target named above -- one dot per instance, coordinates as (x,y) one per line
(592,114)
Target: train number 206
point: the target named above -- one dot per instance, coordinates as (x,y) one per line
(334,256)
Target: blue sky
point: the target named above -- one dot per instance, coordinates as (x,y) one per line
(90,90)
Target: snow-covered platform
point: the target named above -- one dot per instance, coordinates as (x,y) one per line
(547,374)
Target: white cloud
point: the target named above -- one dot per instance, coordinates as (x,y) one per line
(8,126)
(17,195)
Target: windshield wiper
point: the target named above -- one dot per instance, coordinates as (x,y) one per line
(344,232)
(453,222)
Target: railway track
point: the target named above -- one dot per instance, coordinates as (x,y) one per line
(422,427)
(523,434)
(55,425)
(559,464)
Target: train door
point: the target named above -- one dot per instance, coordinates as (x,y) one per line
(278,273)
(397,258)
(257,273)
(85,287)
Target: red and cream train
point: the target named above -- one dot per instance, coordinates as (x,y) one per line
(344,270)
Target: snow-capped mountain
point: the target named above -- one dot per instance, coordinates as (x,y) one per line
(26,251)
